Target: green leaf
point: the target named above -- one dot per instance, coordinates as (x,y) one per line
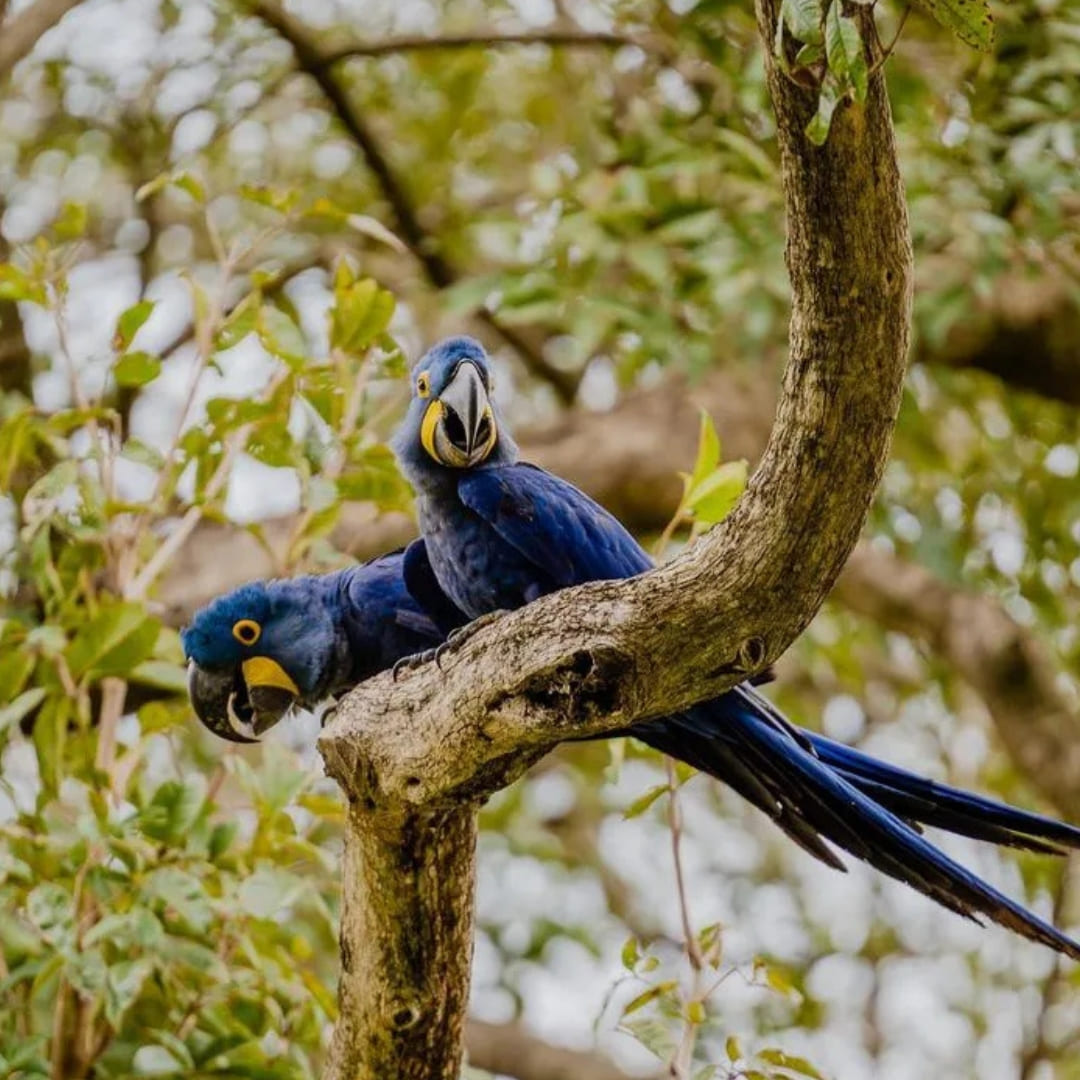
(123,984)
(790,1062)
(142,453)
(15,669)
(127,326)
(71,222)
(361,312)
(139,927)
(969,20)
(116,640)
(15,285)
(279,200)
(654,1035)
(712,499)
(86,971)
(370,226)
(732,1049)
(174,809)
(191,185)
(160,674)
(240,322)
(817,131)
(22,706)
(651,994)
(643,802)
(50,739)
(51,908)
(803,20)
(136,369)
(281,336)
(844,50)
(267,891)
(779,980)
(630,954)
(182,894)
(708,453)
(221,839)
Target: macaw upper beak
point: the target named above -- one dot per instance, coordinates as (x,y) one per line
(243,704)
(459,425)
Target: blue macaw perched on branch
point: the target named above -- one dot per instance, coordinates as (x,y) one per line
(267,646)
(499,533)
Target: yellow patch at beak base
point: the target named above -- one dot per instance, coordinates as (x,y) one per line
(432,415)
(262,671)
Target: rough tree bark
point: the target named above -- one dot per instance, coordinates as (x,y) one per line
(416,756)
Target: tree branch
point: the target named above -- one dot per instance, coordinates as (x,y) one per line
(575,39)
(418,752)
(509,1049)
(437,268)
(628,460)
(1027,333)
(19,35)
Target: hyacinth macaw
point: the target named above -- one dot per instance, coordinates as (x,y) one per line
(499,533)
(266,646)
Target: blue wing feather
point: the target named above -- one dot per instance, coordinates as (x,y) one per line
(556,527)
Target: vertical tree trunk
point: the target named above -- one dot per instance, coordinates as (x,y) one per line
(404,752)
(406,943)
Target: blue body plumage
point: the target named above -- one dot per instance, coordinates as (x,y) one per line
(499,533)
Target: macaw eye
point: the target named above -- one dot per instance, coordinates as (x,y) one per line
(423,385)
(246,631)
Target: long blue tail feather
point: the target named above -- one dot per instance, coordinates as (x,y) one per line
(817,790)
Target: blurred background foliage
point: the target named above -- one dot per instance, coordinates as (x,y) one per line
(227,229)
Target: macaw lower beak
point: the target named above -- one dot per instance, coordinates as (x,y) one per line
(243,704)
(459,426)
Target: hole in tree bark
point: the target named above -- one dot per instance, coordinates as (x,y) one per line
(405,1017)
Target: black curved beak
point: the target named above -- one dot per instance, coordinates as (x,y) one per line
(232,709)
(468,422)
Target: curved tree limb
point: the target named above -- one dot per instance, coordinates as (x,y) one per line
(414,757)
(628,459)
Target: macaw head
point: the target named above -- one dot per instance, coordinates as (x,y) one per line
(257,651)
(452,419)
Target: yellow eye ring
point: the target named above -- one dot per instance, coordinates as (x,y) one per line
(423,385)
(246,631)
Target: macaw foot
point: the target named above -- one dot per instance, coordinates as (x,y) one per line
(462,634)
(415,660)
(454,640)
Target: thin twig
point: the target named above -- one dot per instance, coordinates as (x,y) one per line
(887,51)
(419,43)
(1042,1049)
